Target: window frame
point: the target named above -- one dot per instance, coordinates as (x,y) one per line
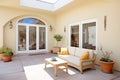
(81,32)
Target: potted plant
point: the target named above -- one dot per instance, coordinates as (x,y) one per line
(58,38)
(6,54)
(105,62)
(1,54)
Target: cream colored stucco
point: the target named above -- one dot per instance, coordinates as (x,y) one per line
(75,12)
(110,38)
(8,36)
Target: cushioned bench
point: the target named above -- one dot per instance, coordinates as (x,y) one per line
(73,55)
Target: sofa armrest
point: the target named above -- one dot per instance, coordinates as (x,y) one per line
(87,60)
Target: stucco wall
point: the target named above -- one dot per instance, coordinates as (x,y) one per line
(109,39)
(7,14)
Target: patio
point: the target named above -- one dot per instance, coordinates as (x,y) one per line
(31,67)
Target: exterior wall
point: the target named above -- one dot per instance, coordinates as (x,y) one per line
(8,36)
(109,39)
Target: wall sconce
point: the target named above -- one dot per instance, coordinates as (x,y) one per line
(51,28)
(10,25)
(65,29)
(105,22)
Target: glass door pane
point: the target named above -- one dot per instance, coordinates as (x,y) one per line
(32,38)
(89,35)
(42,38)
(21,38)
(75,36)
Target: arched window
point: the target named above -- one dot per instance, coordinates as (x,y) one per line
(31,21)
(31,35)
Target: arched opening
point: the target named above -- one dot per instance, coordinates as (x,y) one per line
(31,35)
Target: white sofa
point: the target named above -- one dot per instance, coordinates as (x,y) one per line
(73,58)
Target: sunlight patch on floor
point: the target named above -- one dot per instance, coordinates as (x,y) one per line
(34,72)
(71,72)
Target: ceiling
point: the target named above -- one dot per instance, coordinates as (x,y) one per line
(16,4)
(50,5)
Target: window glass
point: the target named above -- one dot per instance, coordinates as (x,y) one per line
(42,38)
(21,38)
(32,38)
(31,21)
(75,36)
(89,35)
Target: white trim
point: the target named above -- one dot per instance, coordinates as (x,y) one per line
(46,45)
(37,37)
(96,34)
(80,35)
(24,16)
(70,25)
(17,38)
(27,37)
(81,31)
(48,1)
(31,24)
(89,21)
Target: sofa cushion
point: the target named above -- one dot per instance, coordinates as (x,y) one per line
(84,56)
(79,52)
(71,50)
(71,58)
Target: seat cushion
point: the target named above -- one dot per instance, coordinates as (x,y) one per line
(71,50)
(71,58)
(79,52)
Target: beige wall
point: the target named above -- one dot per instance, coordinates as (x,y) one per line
(109,39)
(8,36)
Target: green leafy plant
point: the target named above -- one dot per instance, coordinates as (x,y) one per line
(58,38)
(106,55)
(1,50)
(6,51)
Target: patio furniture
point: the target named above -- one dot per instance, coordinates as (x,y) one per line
(57,62)
(74,58)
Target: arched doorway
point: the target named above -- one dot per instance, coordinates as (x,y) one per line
(31,36)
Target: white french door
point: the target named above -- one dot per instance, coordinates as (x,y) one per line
(31,38)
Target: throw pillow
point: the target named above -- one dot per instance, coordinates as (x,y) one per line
(64,51)
(84,56)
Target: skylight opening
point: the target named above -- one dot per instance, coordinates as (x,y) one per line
(50,5)
(49,1)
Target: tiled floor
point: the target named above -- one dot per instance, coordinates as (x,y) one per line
(26,67)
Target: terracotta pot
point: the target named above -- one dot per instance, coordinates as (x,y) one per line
(106,67)
(7,58)
(1,55)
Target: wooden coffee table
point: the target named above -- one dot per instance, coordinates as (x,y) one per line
(56,64)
